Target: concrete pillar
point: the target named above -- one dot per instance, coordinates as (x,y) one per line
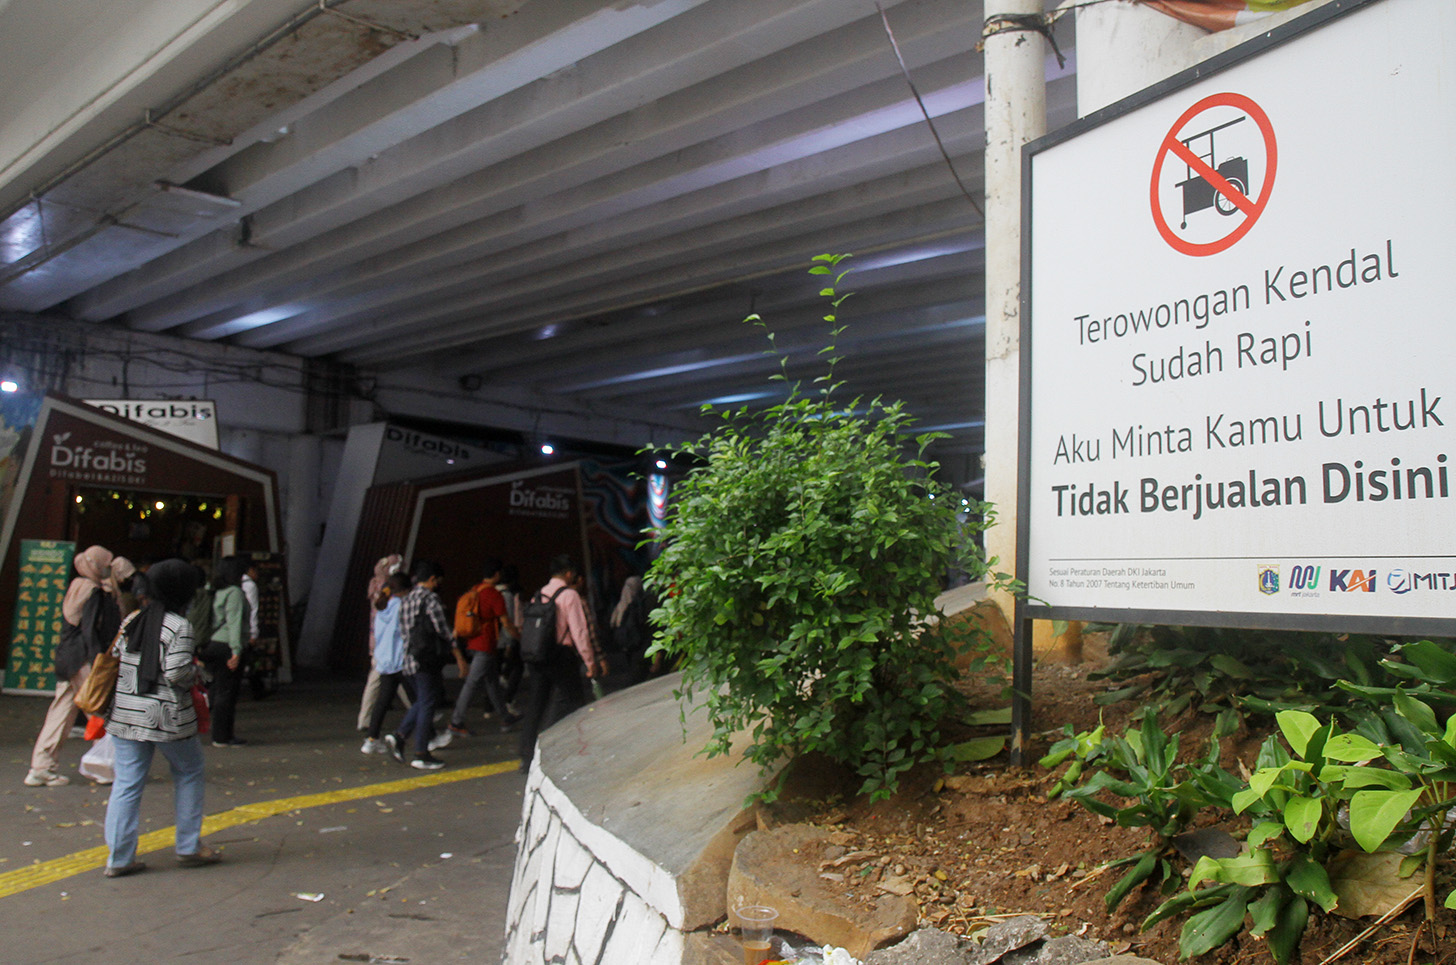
(301,512)
(1015,113)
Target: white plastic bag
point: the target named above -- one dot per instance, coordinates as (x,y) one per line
(97,763)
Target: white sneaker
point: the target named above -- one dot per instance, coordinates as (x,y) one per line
(372,746)
(45,779)
(440,740)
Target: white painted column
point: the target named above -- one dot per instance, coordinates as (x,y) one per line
(1122,48)
(1015,114)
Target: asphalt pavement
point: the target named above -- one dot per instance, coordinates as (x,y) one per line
(330,855)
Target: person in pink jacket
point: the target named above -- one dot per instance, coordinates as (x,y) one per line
(553,686)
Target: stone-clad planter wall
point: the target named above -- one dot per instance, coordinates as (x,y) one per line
(578,893)
(626,837)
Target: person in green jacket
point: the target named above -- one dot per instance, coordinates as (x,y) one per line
(230,628)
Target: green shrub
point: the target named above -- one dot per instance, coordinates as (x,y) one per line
(798,557)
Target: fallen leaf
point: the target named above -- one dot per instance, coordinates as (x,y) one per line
(1368,884)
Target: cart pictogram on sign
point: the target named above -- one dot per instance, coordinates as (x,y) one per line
(1213,174)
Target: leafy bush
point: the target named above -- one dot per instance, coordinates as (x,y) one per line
(1210,669)
(799,557)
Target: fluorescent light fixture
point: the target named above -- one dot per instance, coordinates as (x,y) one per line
(9,385)
(547,449)
(662,464)
(252,320)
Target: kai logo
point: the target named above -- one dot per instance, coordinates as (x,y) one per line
(1269,578)
(1352,581)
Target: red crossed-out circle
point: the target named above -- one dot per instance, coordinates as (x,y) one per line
(1251,207)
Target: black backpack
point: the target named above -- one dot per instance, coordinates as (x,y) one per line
(538,627)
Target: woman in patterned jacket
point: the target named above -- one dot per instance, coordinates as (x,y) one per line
(153,709)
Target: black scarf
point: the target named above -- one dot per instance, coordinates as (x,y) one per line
(170,585)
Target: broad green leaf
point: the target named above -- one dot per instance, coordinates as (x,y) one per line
(1302,817)
(1375,814)
(1434,662)
(1253,868)
(1308,878)
(1264,779)
(978,749)
(1264,910)
(1351,748)
(1418,713)
(1231,666)
(1284,936)
(1264,831)
(998,715)
(1297,727)
(1358,777)
(1210,928)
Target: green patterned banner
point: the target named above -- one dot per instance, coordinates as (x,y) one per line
(45,572)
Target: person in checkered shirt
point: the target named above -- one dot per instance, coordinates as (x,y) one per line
(428,641)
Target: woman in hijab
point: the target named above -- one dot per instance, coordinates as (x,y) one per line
(629,628)
(90,619)
(153,709)
(387,565)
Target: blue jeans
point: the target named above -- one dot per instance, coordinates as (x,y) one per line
(420,720)
(123,811)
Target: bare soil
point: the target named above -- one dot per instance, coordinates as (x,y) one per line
(987,842)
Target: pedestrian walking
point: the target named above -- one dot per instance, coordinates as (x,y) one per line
(89,620)
(511,668)
(388,658)
(481,650)
(428,645)
(383,569)
(630,634)
(554,683)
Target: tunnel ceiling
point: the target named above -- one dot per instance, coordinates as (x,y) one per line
(578,201)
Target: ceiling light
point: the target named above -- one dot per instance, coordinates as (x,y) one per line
(662,464)
(547,449)
(9,385)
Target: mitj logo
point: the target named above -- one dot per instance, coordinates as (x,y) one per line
(1352,581)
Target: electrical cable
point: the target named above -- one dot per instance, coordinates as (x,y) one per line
(905,70)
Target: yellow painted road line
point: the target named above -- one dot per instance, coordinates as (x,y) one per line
(46,872)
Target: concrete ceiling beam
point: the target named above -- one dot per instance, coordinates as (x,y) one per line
(630,238)
(436,171)
(935,222)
